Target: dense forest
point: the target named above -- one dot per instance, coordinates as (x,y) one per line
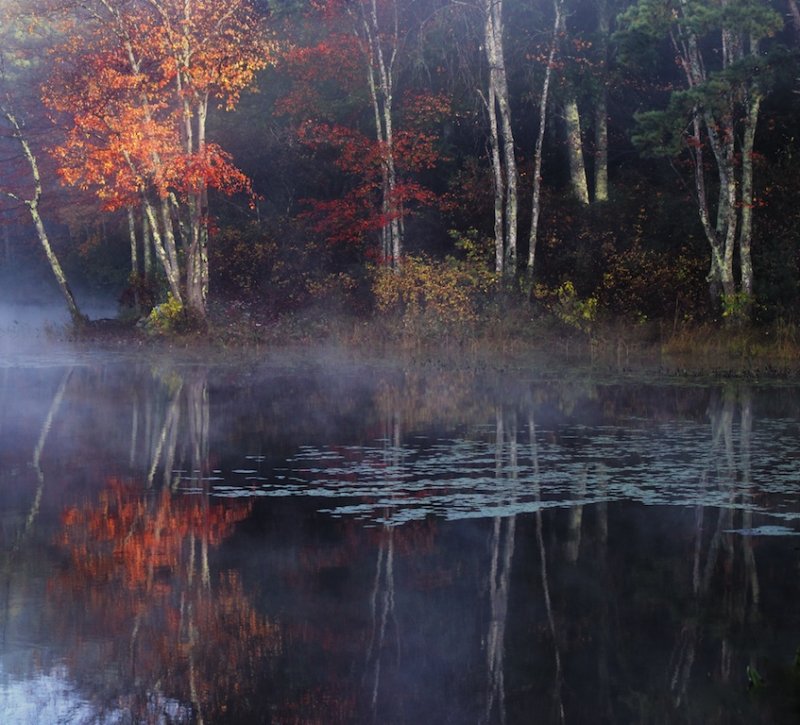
(612,159)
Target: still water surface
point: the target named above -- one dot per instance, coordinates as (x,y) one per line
(349,543)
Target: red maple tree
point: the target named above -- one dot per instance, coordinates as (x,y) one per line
(136,81)
(380,151)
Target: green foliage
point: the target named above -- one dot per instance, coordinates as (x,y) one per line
(737,307)
(477,266)
(662,133)
(167,318)
(568,307)
(754,679)
(656,18)
(658,133)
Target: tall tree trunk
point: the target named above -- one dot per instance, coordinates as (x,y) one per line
(746,225)
(533,237)
(147,250)
(601,108)
(77,316)
(164,257)
(727,214)
(32,205)
(500,119)
(498,184)
(163,239)
(134,277)
(577,168)
(380,81)
(195,114)
(133,245)
(721,138)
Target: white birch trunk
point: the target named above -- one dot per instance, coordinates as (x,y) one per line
(32,204)
(498,183)
(502,132)
(133,244)
(147,249)
(746,225)
(537,154)
(171,271)
(380,80)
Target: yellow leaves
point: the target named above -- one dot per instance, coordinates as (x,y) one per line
(428,293)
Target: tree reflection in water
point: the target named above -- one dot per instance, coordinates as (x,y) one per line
(136,594)
(329,585)
(717,555)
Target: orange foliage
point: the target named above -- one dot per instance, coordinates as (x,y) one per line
(128,536)
(136,83)
(136,580)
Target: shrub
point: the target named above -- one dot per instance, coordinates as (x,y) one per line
(430,296)
(166,318)
(568,307)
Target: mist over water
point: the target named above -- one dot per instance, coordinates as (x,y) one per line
(346,542)
(34,316)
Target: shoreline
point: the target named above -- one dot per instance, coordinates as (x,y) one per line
(695,352)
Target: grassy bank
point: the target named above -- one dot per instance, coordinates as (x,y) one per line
(517,334)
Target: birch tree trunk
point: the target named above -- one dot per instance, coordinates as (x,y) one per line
(32,205)
(147,247)
(161,229)
(133,245)
(498,183)
(501,133)
(533,237)
(746,224)
(171,270)
(380,63)
(728,139)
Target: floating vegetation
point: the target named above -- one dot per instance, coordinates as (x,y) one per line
(765,531)
(675,463)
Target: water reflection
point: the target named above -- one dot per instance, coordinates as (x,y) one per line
(193,544)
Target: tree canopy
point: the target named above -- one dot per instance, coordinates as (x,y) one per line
(644,150)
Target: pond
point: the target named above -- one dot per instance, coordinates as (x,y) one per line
(317,540)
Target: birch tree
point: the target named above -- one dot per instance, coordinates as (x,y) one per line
(31,200)
(713,120)
(571,116)
(23,184)
(601,104)
(379,37)
(558,7)
(136,81)
(501,138)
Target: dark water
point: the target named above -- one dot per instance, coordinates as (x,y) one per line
(331,543)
